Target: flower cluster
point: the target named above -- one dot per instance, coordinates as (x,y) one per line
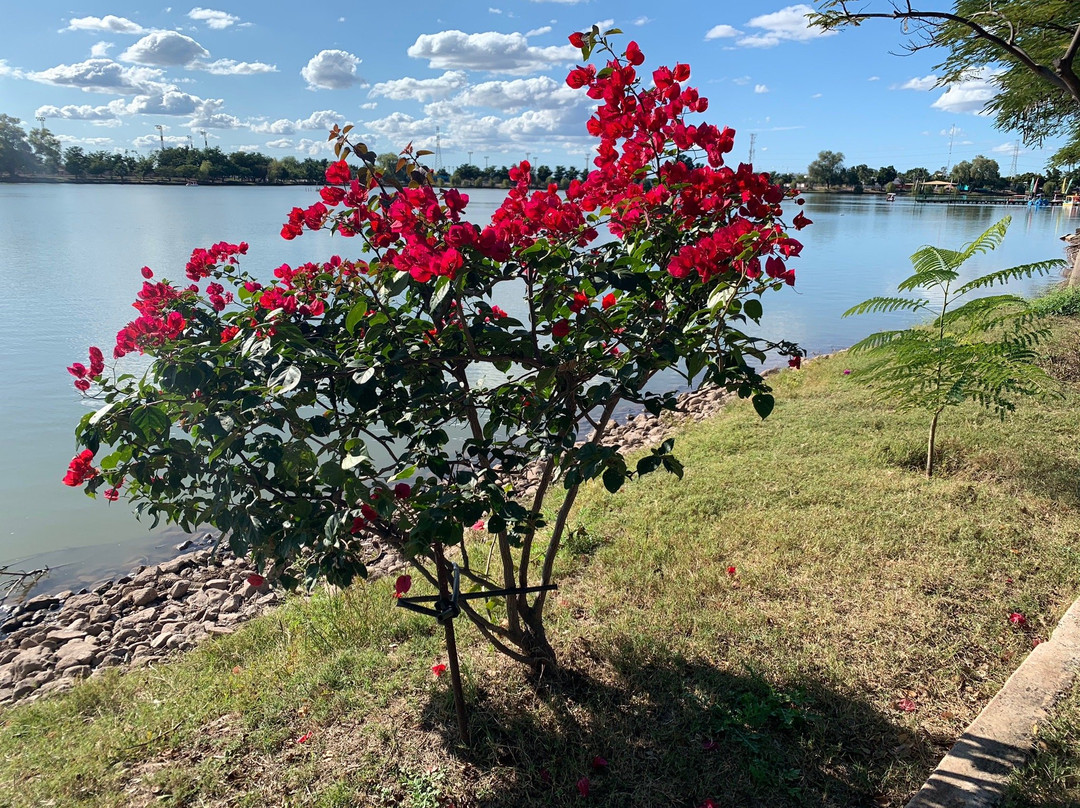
(80,469)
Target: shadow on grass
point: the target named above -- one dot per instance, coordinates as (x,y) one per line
(675,732)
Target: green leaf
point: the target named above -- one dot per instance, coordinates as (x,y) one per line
(351,461)
(647,465)
(442,289)
(752,309)
(356,314)
(285,380)
(763,404)
(614,478)
(150,421)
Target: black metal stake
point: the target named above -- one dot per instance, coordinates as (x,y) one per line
(451,646)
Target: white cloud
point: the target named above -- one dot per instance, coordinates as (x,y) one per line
(324,119)
(332,70)
(165,49)
(217,20)
(101,76)
(1004,148)
(79,112)
(786,25)
(108,23)
(874,78)
(604,25)
(281,143)
(490,51)
(544,29)
(722,32)
(169,102)
(760,89)
(228,67)
(642,21)
(9,71)
(100,49)
(816,95)
(741,80)
(495,11)
(971,95)
(421,89)
(369,105)
(92,142)
(154,141)
(924,83)
(539,92)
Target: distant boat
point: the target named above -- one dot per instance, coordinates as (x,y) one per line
(1071,201)
(192,182)
(890,197)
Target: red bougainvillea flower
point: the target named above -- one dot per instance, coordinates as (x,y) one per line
(228,333)
(795,362)
(577,39)
(1017,619)
(709,803)
(583,786)
(731,571)
(402,491)
(402,585)
(80,469)
(599,763)
(633,54)
(906,706)
(147,272)
(112,494)
(304,738)
(545,776)
(498,313)
(256,580)
(338,173)
(438,669)
(800,221)
(608,301)
(479,524)
(560,329)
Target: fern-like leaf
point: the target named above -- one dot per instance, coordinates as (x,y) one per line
(887,304)
(1003,276)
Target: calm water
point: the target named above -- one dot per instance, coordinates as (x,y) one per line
(69,269)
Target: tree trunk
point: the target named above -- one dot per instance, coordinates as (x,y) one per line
(930,446)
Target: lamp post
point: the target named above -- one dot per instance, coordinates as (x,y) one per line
(41,120)
(161,134)
(204,143)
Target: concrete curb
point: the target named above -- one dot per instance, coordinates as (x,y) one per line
(976,770)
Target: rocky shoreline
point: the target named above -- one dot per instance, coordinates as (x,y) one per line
(50,642)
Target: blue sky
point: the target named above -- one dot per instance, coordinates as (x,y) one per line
(490,75)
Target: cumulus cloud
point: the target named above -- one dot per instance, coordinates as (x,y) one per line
(490,51)
(165,49)
(154,141)
(208,115)
(1004,148)
(642,21)
(369,105)
(760,89)
(874,78)
(229,67)
(218,20)
(100,49)
(108,23)
(9,71)
(968,96)
(544,29)
(92,142)
(786,25)
(539,92)
(105,114)
(101,76)
(324,119)
(924,83)
(722,32)
(169,102)
(421,89)
(332,70)
(280,143)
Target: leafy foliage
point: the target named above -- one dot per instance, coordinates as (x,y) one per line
(981,350)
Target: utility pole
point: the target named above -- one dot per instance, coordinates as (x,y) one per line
(753,138)
(470,158)
(486,158)
(41,120)
(952,134)
(190,142)
(205,145)
(438,151)
(161,134)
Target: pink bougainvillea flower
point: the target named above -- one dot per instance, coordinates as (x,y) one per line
(112,494)
(1017,619)
(583,786)
(147,272)
(438,669)
(795,362)
(709,803)
(847,372)
(304,738)
(906,706)
(599,763)
(402,585)
(478,525)
(256,580)
(633,54)
(80,470)
(498,313)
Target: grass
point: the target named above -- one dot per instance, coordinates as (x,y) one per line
(1051,779)
(860,589)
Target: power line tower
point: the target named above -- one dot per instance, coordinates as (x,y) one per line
(41,120)
(753,139)
(1016,155)
(205,145)
(952,134)
(438,151)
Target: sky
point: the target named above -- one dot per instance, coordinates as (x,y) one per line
(484,80)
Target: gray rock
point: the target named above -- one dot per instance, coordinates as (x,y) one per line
(7,655)
(159,641)
(31,661)
(123,635)
(39,603)
(87,601)
(76,652)
(77,672)
(101,614)
(186,543)
(216,583)
(145,596)
(231,604)
(24,689)
(179,589)
(64,635)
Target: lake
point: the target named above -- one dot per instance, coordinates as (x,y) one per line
(69,269)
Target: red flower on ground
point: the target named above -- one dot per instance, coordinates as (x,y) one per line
(583,786)
(599,763)
(304,738)
(1017,619)
(402,585)
(906,706)
(438,669)
(731,571)
(256,580)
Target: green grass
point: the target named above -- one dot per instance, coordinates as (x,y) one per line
(1051,779)
(858,584)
